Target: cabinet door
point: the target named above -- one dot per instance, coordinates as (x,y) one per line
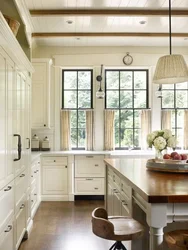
(40,95)
(20,224)
(2,121)
(54,180)
(7,237)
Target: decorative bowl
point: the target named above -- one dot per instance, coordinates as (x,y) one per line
(13,24)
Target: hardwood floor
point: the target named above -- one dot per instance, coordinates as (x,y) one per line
(64,226)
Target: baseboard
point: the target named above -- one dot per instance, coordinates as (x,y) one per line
(54,198)
(29,229)
(88,197)
(71,197)
(34,210)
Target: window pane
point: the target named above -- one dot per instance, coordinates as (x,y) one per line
(112,79)
(182,85)
(168,86)
(168,99)
(70,79)
(180,119)
(140,79)
(74,138)
(84,80)
(70,99)
(181,99)
(84,99)
(81,119)
(140,99)
(81,138)
(112,99)
(179,138)
(74,119)
(126,80)
(126,119)
(117,137)
(126,99)
(173,120)
(127,140)
(116,119)
(137,136)
(137,119)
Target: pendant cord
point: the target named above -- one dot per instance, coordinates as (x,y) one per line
(170,30)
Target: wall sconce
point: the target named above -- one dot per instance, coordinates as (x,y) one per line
(100,93)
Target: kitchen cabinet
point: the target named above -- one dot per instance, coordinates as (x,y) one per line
(89,175)
(41,93)
(15,78)
(54,177)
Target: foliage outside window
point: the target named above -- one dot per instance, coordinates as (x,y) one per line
(77,96)
(127,93)
(175,98)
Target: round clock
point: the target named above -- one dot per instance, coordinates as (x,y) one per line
(127,60)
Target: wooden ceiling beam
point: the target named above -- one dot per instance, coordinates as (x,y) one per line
(108,34)
(107,12)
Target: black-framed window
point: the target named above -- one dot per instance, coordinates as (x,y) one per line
(77,96)
(126,92)
(175,98)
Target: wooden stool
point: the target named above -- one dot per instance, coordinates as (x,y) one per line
(177,240)
(117,228)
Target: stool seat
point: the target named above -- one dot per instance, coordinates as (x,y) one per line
(117,228)
(177,240)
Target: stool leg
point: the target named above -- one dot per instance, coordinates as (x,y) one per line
(113,246)
(120,246)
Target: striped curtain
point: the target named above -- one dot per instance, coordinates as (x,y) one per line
(65,130)
(89,129)
(145,127)
(109,135)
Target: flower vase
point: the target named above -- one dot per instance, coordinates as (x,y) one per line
(158,154)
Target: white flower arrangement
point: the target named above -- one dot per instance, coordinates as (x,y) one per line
(161,139)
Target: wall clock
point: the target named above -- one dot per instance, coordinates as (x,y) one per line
(127,60)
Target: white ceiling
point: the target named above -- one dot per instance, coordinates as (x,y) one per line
(103,23)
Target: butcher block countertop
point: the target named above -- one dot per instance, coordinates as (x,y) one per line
(153,187)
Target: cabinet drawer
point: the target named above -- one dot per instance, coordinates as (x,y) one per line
(7,237)
(126,189)
(20,222)
(20,187)
(54,160)
(89,186)
(89,157)
(89,167)
(6,204)
(116,181)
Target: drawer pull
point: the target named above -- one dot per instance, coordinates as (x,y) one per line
(31,200)
(54,160)
(35,172)
(96,188)
(8,188)
(125,204)
(22,206)
(9,229)
(96,165)
(35,194)
(89,156)
(31,175)
(65,166)
(22,175)
(89,179)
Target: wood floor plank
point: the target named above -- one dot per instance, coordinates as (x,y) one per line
(64,226)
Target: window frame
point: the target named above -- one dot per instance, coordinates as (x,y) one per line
(132,109)
(77,109)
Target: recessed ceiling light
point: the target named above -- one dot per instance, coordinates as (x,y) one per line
(142,22)
(69,21)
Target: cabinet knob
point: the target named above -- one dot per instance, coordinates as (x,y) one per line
(89,179)
(35,194)
(96,188)
(96,165)
(22,175)
(22,206)
(65,166)
(54,160)
(44,125)
(9,229)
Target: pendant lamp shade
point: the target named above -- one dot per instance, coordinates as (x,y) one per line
(171,69)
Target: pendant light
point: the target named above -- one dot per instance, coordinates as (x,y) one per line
(171,68)
(100,93)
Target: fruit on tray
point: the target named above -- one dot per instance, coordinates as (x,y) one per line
(175,156)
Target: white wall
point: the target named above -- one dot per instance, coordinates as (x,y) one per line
(93,57)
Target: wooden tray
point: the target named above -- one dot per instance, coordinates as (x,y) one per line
(167,167)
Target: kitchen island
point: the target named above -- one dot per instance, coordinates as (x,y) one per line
(162,196)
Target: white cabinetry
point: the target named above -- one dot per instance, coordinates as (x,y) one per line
(35,186)
(15,71)
(54,177)
(89,175)
(41,93)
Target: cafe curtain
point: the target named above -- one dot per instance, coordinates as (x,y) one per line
(166,116)
(65,130)
(145,127)
(109,134)
(89,129)
(185,136)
